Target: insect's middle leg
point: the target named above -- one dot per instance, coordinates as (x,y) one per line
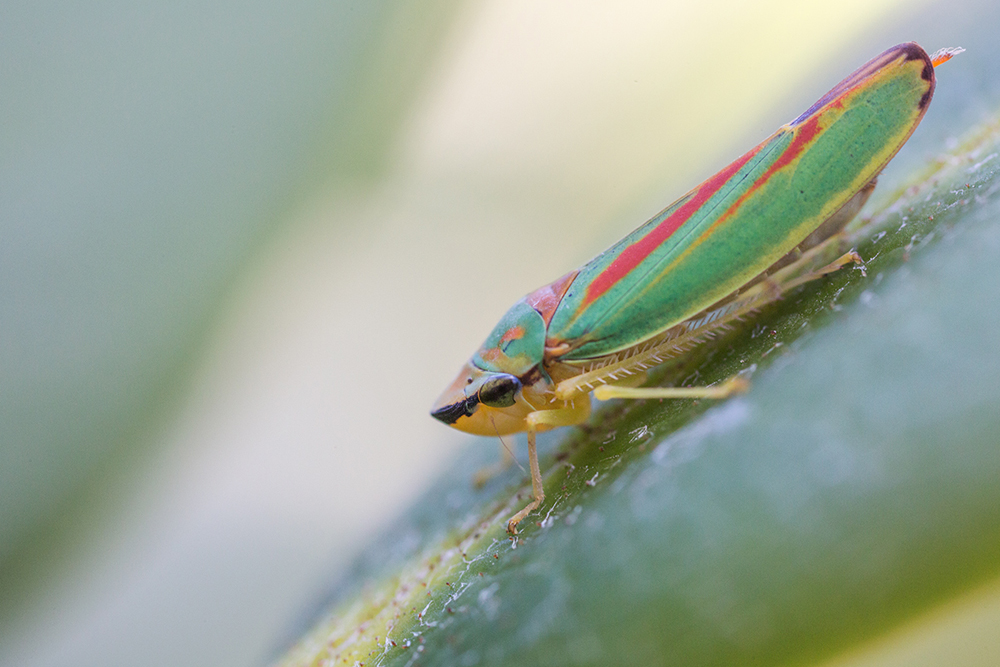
(734,385)
(618,379)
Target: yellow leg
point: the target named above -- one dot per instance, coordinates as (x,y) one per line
(574,412)
(735,385)
(851,257)
(536,486)
(766,290)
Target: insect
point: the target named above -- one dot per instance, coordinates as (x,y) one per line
(768,222)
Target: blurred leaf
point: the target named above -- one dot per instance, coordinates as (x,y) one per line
(148,155)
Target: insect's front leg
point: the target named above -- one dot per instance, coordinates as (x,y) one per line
(575,412)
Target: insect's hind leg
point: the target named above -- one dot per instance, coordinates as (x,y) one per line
(839,220)
(830,228)
(826,258)
(821,260)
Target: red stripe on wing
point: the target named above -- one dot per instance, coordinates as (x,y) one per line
(633,255)
(803,135)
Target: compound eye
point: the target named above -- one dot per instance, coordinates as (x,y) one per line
(499,391)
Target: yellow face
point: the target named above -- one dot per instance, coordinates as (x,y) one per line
(484,403)
(503,382)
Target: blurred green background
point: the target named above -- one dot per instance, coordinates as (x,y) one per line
(244,247)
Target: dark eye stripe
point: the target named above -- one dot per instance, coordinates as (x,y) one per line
(450,414)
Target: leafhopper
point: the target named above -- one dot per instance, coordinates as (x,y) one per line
(765,224)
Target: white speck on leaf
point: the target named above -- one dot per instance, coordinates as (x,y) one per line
(641,433)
